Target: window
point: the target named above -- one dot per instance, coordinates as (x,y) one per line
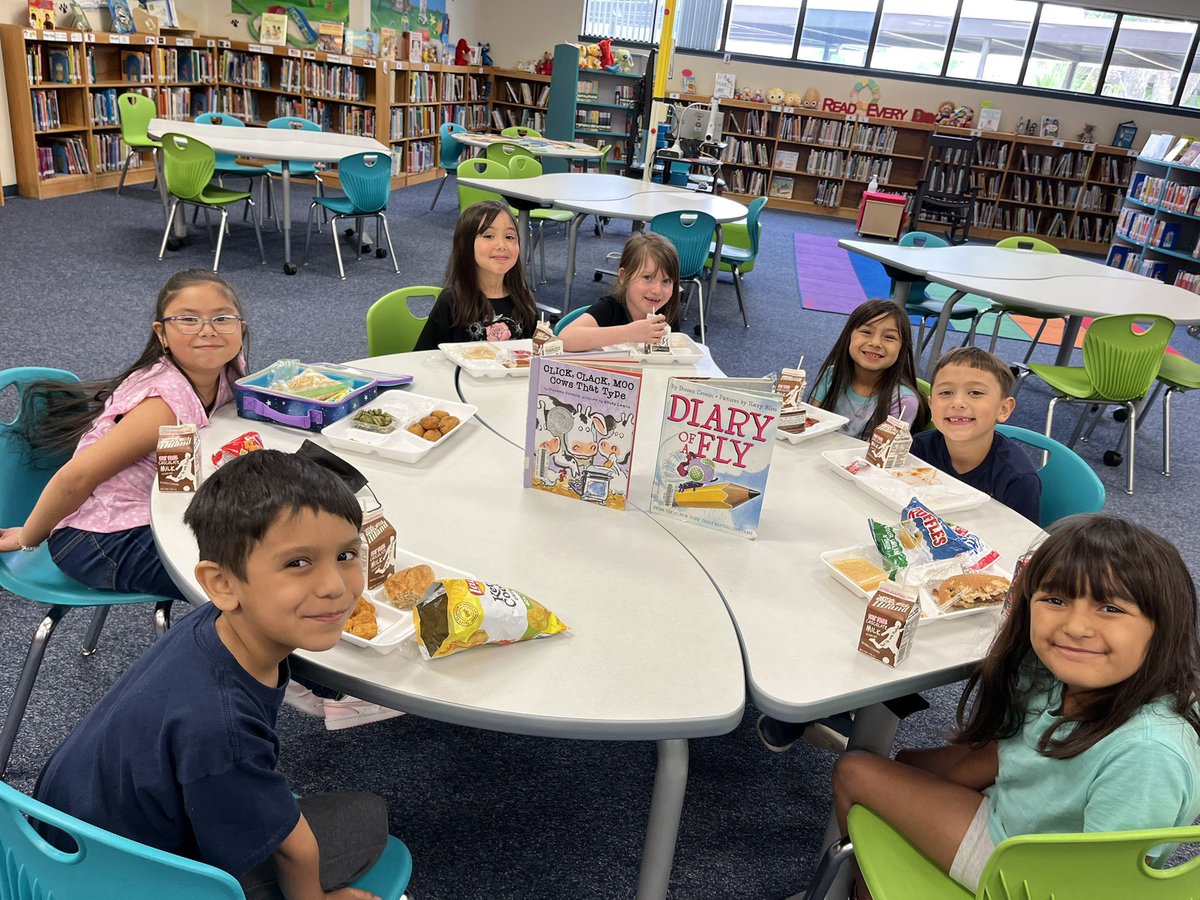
(1191,90)
(763,27)
(1069,48)
(991,40)
(1148,59)
(912,35)
(837,31)
(622,20)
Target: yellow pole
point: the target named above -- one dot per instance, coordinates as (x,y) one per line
(662,69)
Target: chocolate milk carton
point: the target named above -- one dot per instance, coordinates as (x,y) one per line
(178,455)
(544,341)
(379,538)
(889,443)
(793,414)
(889,626)
(663,344)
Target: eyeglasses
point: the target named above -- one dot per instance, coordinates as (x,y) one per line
(222,324)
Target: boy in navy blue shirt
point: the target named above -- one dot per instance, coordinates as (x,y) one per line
(971,392)
(181,753)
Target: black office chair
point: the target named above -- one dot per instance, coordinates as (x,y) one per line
(945,198)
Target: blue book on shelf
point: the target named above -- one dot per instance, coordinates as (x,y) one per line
(1117,257)
(132,65)
(1169,236)
(60,66)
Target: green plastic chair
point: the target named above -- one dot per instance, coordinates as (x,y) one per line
(1027,867)
(1035,245)
(692,235)
(135,112)
(1119,367)
(504,152)
(450,152)
(1069,485)
(34,576)
(478,167)
(529,167)
(391,326)
(926,300)
(188,166)
(366,179)
(520,131)
(109,867)
(739,249)
(227,164)
(568,318)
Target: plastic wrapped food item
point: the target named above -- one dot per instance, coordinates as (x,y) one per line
(239,446)
(946,541)
(461,613)
(901,545)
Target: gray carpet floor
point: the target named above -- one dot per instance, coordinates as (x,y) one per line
(485,814)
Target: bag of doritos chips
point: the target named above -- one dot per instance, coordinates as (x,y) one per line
(461,613)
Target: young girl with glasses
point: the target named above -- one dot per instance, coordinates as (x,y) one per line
(95,512)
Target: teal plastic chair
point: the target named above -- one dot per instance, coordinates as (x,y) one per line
(478,167)
(226,163)
(297,168)
(926,300)
(1069,485)
(529,167)
(34,576)
(391,326)
(1119,367)
(520,131)
(692,235)
(504,152)
(450,152)
(1026,867)
(366,179)
(188,170)
(568,318)
(134,111)
(739,249)
(109,867)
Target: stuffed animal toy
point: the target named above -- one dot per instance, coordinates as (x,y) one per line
(593,56)
(775,95)
(811,99)
(746,94)
(757,96)
(624,60)
(945,112)
(1088,135)
(462,53)
(792,99)
(606,56)
(962,117)
(485,54)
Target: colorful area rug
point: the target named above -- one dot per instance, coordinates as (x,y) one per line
(834,280)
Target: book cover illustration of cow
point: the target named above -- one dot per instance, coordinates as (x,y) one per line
(580,429)
(714,452)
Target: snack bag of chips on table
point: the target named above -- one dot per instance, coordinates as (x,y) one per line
(239,446)
(461,613)
(946,541)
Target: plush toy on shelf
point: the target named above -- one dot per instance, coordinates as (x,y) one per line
(593,56)
(775,95)
(545,65)
(811,99)
(606,56)
(1088,135)
(746,95)
(485,54)
(462,53)
(792,99)
(624,60)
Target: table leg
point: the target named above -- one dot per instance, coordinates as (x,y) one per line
(572,242)
(900,291)
(1067,347)
(874,730)
(662,829)
(718,244)
(939,333)
(289,267)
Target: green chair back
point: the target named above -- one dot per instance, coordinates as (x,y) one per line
(1023,242)
(504,152)
(520,131)
(692,234)
(188,165)
(135,112)
(602,166)
(744,235)
(391,325)
(524,167)
(1069,485)
(478,167)
(568,318)
(1122,363)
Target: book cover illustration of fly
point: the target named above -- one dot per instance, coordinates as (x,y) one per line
(714,452)
(580,428)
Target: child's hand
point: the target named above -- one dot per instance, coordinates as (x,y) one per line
(647,330)
(10,539)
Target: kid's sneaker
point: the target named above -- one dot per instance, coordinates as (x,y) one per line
(350,712)
(299,697)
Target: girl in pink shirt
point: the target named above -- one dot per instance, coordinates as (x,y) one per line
(95,512)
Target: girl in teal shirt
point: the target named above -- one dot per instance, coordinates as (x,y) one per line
(1082,717)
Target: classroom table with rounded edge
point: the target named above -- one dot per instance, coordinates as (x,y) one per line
(537,146)
(612,677)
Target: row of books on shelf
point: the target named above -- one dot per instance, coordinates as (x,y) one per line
(1045,191)
(740,151)
(460,88)
(1173,196)
(414,121)
(987,184)
(1098,199)
(1145,229)
(419,156)
(522,92)
(108,150)
(739,181)
(829,163)
(253,70)
(594,119)
(62,156)
(864,168)
(1185,151)
(1112,169)
(338,118)
(753,121)
(993,154)
(181,103)
(104,107)
(137,66)
(1091,228)
(1071,164)
(1189,281)
(828,193)
(811,130)
(186,65)
(948,177)
(422,87)
(51,65)
(523,118)
(335,82)
(473,117)
(45,110)
(875,138)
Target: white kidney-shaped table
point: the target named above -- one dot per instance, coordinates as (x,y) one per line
(671,624)
(1052,282)
(538,146)
(283,144)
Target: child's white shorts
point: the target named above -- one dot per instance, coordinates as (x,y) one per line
(974,850)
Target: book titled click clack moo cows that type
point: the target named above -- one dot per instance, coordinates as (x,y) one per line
(714,452)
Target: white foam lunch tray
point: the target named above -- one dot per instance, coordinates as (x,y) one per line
(684,351)
(946,494)
(827,421)
(400,444)
(488,368)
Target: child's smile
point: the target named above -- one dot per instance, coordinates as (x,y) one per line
(875,346)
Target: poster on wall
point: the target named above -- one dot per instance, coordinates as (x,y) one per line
(425,16)
(302,17)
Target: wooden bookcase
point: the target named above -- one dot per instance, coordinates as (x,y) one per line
(1158,229)
(519,99)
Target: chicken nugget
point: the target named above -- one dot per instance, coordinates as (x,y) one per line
(440,414)
(415,428)
(448,424)
(430,422)
(432,435)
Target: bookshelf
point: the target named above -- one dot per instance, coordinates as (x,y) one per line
(1158,229)
(519,99)
(596,107)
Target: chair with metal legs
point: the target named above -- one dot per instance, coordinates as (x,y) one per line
(295,168)
(367,180)
(450,152)
(692,235)
(134,112)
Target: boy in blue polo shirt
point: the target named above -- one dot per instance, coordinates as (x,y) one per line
(181,753)
(971,392)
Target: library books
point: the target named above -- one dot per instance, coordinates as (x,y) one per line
(787,159)
(1158,145)
(330,36)
(782,187)
(273,28)
(1191,156)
